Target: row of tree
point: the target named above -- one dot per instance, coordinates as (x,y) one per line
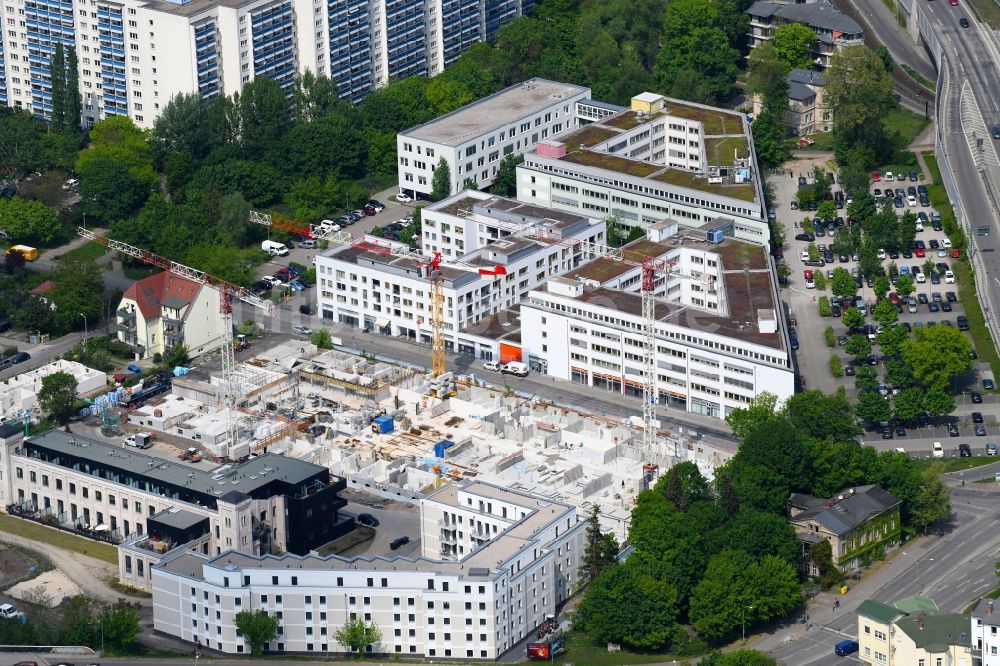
(720,556)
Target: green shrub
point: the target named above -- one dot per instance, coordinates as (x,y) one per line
(836,366)
(824,307)
(820,280)
(831,339)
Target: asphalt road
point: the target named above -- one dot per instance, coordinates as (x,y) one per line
(41,354)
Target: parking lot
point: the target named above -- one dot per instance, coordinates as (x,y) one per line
(934,307)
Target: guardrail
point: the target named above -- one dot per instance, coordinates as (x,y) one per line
(948,176)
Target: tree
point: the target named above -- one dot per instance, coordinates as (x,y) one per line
(883,53)
(863,206)
(777,445)
(873,407)
(843,283)
(743,420)
(57,396)
(175,356)
(891,342)
(868,261)
(109,191)
(827,210)
(758,533)
(684,485)
(506,183)
(904,285)
(117,139)
(937,354)
(821,415)
(769,138)
(263,116)
(445,95)
(866,380)
(907,229)
(34,314)
(119,626)
(313,97)
(938,402)
(793,43)
(57,78)
(909,404)
(859,97)
(258,628)
(886,313)
(27,220)
(441,180)
(932,503)
(631,603)
(74,103)
(322,339)
(858,345)
(326,146)
(767,77)
(699,65)
(185,125)
(13,262)
(821,556)
(601,551)
(357,635)
(881,286)
(853,318)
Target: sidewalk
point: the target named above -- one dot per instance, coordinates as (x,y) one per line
(821,610)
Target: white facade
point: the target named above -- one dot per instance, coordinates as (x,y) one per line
(389,295)
(661,159)
(164,310)
(475,604)
(134,55)
(985,632)
(475,138)
(19,393)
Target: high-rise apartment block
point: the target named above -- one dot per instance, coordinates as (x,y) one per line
(134,55)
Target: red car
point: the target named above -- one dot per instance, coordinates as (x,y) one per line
(919,252)
(894,298)
(955,253)
(876,176)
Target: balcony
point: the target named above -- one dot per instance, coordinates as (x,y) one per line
(126,320)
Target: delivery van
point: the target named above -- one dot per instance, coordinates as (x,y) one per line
(142,440)
(274,248)
(29,253)
(515,368)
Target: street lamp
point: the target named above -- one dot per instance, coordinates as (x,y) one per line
(743,618)
(85,335)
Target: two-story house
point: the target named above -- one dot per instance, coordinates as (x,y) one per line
(834,30)
(164,310)
(806,112)
(860,523)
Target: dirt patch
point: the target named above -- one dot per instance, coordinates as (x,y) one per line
(49,589)
(14,565)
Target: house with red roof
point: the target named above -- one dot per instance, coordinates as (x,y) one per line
(165,310)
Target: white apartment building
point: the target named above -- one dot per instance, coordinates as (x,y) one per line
(985,633)
(388,294)
(134,55)
(720,340)
(20,392)
(494,563)
(149,505)
(661,159)
(475,138)
(164,310)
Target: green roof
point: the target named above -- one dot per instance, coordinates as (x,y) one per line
(916,604)
(935,633)
(878,611)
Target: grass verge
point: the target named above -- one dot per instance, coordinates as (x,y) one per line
(86,253)
(918,77)
(905,126)
(964,275)
(580,649)
(58,538)
(956,464)
(988,12)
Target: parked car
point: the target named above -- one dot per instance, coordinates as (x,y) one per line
(403,198)
(368,519)
(988,384)
(937,450)
(302,330)
(991,449)
(964,451)
(980,430)
(396,544)
(844,648)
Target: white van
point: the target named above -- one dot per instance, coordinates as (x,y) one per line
(142,440)
(515,368)
(274,248)
(327,226)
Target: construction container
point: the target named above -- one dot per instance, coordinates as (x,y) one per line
(441,447)
(383,424)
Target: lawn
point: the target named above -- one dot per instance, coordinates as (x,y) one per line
(956,464)
(86,253)
(988,11)
(582,650)
(824,142)
(981,338)
(58,538)
(905,126)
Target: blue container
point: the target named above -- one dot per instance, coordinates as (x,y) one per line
(441,447)
(384,424)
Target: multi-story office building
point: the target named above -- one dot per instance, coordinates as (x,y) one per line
(149,505)
(475,232)
(475,138)
(719,337)
(134,55)
(661,159)
(494,563)
(834,30)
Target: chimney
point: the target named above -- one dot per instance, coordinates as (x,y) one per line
(920,621)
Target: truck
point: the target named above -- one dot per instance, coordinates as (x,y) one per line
(515,368)
(140,440)
(148,388)
(274,248)
(29,253)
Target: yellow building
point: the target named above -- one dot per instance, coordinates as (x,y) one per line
(875,621)
(931,640)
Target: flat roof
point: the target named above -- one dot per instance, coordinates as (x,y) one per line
(495,111)
(465,204)
(520,535)
(245,477)
(178,518)
(498,326)
(725,137)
